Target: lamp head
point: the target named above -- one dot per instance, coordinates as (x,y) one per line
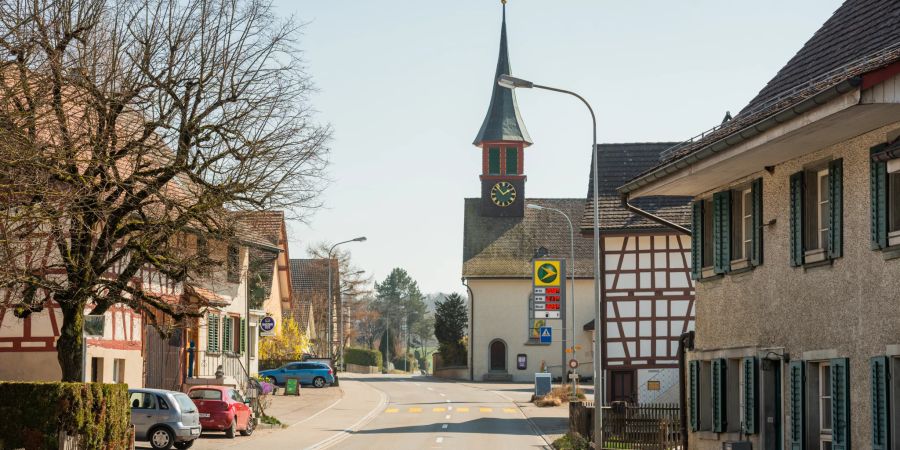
(360,239)
(533,206)
(511,82)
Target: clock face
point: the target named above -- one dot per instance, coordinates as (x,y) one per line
(503,194)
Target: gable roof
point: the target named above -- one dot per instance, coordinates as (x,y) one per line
(861,36)
(617,164)
(503,247)
(502,121)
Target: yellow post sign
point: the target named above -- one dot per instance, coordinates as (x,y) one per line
(547,273)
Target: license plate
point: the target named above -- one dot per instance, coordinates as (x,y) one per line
(204,415)
(195,431)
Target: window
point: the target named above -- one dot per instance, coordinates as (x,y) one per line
(234,264)
(816,202)
(163,404)
(894,207)
(727,231)
(742,224)
(212,333)
(205,394)
(512,161)
(824,392)
(97,370)
(494,161)
(142,400)
(707,233)
(252,348)
(118,370)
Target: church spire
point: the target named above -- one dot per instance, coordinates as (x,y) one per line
(503,121)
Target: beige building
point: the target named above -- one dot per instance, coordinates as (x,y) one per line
(796,224)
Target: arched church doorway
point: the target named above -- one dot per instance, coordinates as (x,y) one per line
(498,356)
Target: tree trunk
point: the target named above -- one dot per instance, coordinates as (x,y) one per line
(69,347)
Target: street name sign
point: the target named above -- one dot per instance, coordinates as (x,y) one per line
(546,334)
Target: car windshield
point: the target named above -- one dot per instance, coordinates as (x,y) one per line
(206,394)
(187,406)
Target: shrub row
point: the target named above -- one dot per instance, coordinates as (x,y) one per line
(33,414)
(363,357)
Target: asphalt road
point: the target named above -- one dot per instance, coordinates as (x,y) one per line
(398,412)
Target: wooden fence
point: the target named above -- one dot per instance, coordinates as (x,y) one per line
(630,426)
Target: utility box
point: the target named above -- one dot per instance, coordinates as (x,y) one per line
(542,384)
(737,445)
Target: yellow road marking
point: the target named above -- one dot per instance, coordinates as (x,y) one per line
(485,409)
(438,409)
(391,410)
(462,409)
(415,410)
(509,410)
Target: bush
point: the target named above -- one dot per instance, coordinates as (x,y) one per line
(363,357)
(572,441)
(406,364)
(34,414)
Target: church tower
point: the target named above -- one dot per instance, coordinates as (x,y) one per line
(502,139)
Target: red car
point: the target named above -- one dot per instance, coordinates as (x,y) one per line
(222,409)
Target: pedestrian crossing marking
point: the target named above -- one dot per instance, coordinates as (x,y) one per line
(509,410)
(485,409)
(415,410)
(391,410)
(438,409)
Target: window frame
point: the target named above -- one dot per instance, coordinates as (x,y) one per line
(707,258)
(493,156)
(893,207)
(514,152)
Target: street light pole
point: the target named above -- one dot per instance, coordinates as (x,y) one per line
(572,294)
(329,333)
(599,308)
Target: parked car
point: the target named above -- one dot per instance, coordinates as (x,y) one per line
(222,408)
(164,418)
(317,374)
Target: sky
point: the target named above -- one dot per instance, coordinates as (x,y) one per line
(406,84)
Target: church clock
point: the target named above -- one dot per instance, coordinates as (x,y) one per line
(503,194)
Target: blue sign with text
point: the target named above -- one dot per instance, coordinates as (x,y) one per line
(546,335)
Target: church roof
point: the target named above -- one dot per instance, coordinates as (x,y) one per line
(503,247)
(503,121)
(619,163)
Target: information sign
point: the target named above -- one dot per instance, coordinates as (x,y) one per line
(548,284)
(546,334)
(292,386)
(267,326)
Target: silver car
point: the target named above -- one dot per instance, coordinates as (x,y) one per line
(164,418)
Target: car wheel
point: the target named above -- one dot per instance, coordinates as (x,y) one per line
(161,439)
(184,445)
(319,382)
(229,433)
(250,426)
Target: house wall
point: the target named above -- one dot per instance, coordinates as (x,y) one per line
(501,312)
(236,296)
(846,309)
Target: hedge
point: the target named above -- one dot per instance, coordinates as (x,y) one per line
(362,357)
(33,414)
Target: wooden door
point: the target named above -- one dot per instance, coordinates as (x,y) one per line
(498,356)
(623,386)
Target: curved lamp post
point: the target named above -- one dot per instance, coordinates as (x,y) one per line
(330,331)
(510,82)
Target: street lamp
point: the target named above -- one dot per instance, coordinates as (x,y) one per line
(599,310)
(330,331)
(572,295)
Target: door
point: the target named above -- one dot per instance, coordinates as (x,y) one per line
(242,412)
(622,386)
(770,385)
(498,356)
(143,412)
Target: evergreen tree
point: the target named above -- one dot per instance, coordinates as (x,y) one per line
(450,322)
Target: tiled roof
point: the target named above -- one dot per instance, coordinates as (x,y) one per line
(505,246)
(619,163)
(265,223)
(309,281)
(301,312)
(861,36)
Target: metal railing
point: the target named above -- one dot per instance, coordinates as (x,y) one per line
(231,364)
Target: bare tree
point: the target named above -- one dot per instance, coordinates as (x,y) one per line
(350,285)
(129,127)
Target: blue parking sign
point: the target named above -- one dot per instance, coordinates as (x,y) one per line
(546,335)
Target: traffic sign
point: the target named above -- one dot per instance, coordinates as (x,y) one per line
(573,363)
(546,334)
(267,326)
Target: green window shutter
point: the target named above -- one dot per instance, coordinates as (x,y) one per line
(836,216)
(881,411)
(797,381)
(751,386)
(840,404)
(226,335)
(722,232)
(878,190)
(697,240)
(212,333)
(694,408)
(797,194)
(494,161)
(756,235)
(718,396)
(243,335)
(512,161)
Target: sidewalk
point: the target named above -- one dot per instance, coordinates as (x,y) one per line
(291,409)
